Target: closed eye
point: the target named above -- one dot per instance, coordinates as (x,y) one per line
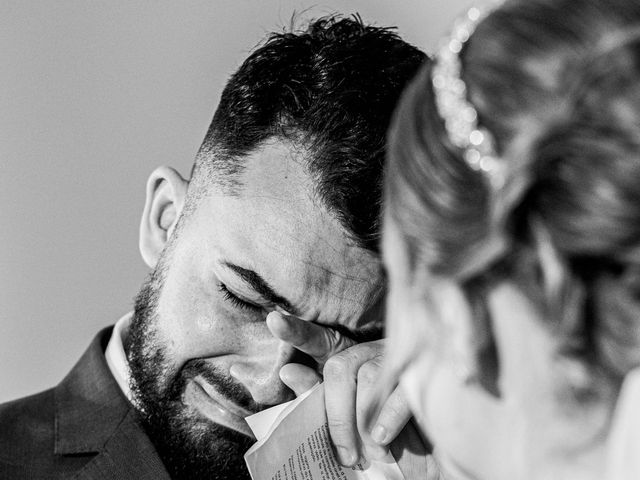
(237,301)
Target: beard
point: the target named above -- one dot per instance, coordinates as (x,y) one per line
(189,445)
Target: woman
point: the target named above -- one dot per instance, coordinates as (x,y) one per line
(512,242)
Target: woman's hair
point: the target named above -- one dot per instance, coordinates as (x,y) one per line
(557,83)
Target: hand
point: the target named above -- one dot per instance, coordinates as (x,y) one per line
(351,372)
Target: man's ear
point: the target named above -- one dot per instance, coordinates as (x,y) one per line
(166,192)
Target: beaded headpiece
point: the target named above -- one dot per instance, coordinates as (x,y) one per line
(459,115)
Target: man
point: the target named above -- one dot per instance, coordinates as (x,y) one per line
(280,214)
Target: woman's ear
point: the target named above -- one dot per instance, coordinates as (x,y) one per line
(458,318)
(166,192)
(527,349)
(453,311)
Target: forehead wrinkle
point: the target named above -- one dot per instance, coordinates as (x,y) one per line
(349,262)
(353,309)
(340,245)
(348,291)
(327,271)
(324,292)
(332,274)
(320,277)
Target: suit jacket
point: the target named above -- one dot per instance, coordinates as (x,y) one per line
(83,428)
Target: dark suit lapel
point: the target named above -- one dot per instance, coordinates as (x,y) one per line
(93,417)
(117,461)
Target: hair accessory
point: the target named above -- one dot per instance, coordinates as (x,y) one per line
(459,115)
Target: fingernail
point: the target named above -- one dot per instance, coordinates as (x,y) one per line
(379,434)
(284,375)
(271,316)
(346,457)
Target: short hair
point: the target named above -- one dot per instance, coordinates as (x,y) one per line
(331,89)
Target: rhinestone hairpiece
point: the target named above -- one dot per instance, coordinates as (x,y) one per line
(459,115)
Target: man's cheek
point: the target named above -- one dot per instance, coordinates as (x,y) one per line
(216,330)
(188,317)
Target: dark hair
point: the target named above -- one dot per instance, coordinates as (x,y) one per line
(557,83)
(331,90)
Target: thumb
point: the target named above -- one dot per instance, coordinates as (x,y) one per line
(317,341)
(299,378)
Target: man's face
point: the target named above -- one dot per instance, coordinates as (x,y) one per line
(201,355)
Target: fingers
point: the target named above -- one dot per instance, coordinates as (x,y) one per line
(321,343)
(393,416)
(368,376)
(299,378)
(340,402)
(342,389)
(315,340)
(351,372)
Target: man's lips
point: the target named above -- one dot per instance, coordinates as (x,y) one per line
(203,397)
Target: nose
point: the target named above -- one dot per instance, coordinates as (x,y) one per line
(260,373)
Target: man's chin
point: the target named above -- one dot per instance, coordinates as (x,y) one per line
(191,446)
(189,438)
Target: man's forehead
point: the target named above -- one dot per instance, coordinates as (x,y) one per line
(277,166)
(276,226)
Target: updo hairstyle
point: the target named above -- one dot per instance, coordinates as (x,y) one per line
(557,83)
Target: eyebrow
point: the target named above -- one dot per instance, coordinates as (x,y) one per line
(261,286)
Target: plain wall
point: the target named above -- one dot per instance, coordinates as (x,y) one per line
(94,96)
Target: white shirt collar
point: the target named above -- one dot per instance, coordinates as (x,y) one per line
(117,358)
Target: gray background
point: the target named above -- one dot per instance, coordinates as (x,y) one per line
(93,96)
